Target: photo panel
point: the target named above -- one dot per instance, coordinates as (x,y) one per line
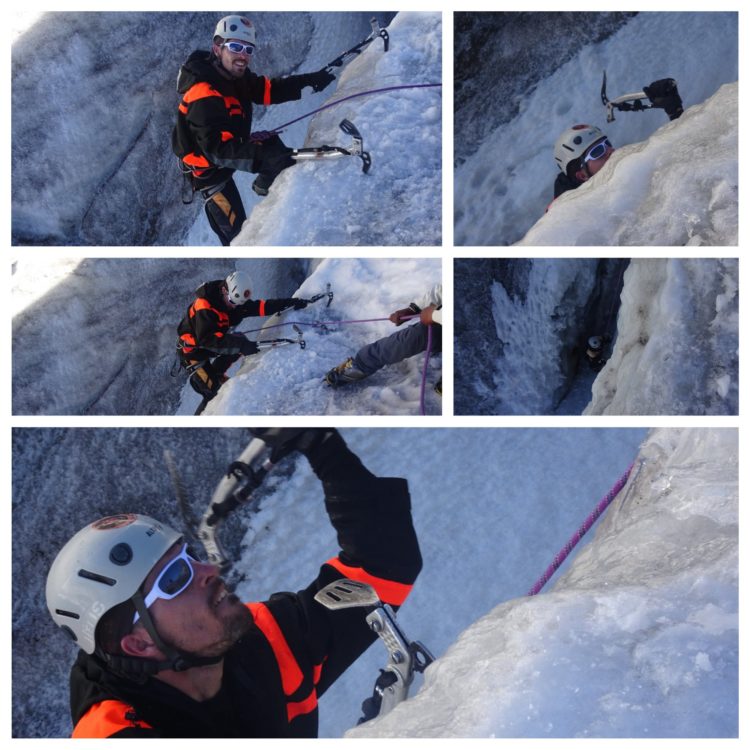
(319,128)
(252,336)
(596,128)
(507,553)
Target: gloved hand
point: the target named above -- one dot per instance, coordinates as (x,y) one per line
(248,347)
(299,304)
(425,316)
(664,95)
(397,317)
(318,80)
(272,156)
(285,440)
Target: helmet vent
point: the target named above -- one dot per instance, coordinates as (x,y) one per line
(96,577)
(65,613)
(121,554)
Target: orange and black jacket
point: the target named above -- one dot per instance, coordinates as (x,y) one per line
(215,116)
(204,331)
(274,676)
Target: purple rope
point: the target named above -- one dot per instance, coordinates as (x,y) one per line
(318,323)
(262,135)
(587,524)
(313,324)
(424,369)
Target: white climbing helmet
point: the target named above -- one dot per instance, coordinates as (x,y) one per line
(238,287)
(574,143)
(102,566)
(235,27)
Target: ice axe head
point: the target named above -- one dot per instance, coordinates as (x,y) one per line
(350,129)
(345,593)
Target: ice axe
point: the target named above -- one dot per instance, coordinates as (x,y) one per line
(625,103)
(274,343)
(405,657)
(324,153)
(344,57)
(243,477)
(321,295)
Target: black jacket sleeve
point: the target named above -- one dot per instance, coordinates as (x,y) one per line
(259,308)
(378,545)
(279,90)
(207,119)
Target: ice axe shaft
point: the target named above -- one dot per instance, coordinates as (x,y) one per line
(274,343)
(243,477)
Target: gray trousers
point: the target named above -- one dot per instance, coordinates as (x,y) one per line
(406,342)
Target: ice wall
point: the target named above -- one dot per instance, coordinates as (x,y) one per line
(542,311)
(640,637)
(677,341)
(679,187)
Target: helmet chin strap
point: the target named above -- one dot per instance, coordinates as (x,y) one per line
(176,660)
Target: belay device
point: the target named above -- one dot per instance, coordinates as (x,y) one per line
(405,657)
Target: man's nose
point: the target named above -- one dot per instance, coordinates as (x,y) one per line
(205,572)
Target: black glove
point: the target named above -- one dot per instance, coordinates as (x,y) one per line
(285,440)
(272,156)
(299,304)
(318,80)
(248,347)
(664,95)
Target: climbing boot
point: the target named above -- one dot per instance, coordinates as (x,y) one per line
(345,373)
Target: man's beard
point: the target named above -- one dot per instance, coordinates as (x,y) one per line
(234,625)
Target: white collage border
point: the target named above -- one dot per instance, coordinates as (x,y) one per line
(447,252)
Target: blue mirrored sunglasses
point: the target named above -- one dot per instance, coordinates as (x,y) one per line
(173,580)
(598,150)
(238,47)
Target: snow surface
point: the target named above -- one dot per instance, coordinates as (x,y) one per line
(105,173)
(674,187)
